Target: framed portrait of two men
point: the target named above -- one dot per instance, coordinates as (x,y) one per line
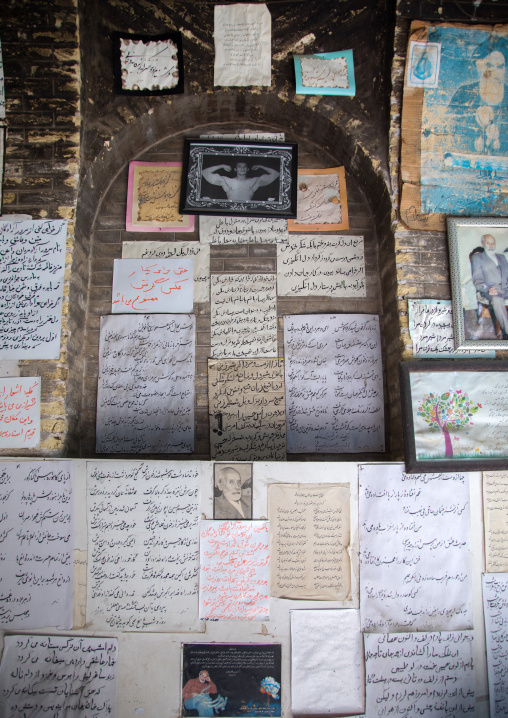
(478,250)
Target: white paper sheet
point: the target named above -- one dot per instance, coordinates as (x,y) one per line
(319,200)
(324,72)
(416,674)
(31,288)
(495,514)
(20,412)
(326,663)
(247,409)
(244,316)
(243,45)
(334,383)
(143,531)
(431,329)
(415,562)
(242,230)
(58,676)
(36,543)
(155,286)
(148,65)
(145,395)
(233,570)
(327,265)
(495,605)
(247,136)
(200,253)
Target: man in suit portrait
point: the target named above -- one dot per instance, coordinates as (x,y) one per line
(232,502)
(490,277)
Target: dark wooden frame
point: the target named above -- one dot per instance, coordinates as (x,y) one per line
(413,465)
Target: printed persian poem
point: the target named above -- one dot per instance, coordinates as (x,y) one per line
(244,316)
(326,644)
(233,570)
(334,383)
(420,674)
(145,395)
(247,408)
(321,201)
(242,230)
(152,286)
(495,511)
(58,675)
(415,562)
(243,45)
(309,541)
(495,606)
(36,544)
(322,72)
(143,534)
(148,65)
(200,253)
(20,412)
(31,288)
(323,265)
(153,198)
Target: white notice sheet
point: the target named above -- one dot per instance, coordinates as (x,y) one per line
(243,45)
(415,561)
(334,383)
(20,412)
(495,606)
(36,543)
(143,531)
(242,230)
(58,676)
(152,286)
(145,395)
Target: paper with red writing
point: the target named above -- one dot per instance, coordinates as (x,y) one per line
(157,286)
(20,412)
(233,573)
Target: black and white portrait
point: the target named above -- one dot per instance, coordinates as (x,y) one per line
(232,496)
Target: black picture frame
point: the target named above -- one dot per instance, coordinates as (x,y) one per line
(472,369)
(268,199)
(174,37)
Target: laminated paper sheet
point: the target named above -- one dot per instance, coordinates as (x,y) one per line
(36,542)
(309,541)
(326,663)
(143,532)
(20,412)
(199,253)
(243,45)
(321,201)
(327,266)
(334,383)
(247,409)
(495,606)
(415,561)
(242,230)
(415,674)
(58,676)
(153,286)
(495,519)
(244,316)
(145,396)
(233,570)
(31,288)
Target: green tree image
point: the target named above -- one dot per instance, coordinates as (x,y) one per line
(447,412)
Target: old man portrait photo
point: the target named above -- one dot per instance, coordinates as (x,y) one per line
(232,491)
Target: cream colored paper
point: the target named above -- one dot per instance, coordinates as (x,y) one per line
(242,230)
(148,65)
(247,409)
(325,265)
(321,201)
(309,541)
(243,37)
(244,316)
(495,518)
(200,253)
(326,663)
(495,606)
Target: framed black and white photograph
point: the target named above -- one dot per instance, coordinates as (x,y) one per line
(148,64)
(479,277)
(232,491)
(248,179)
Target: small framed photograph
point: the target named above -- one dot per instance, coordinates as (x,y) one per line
(232,491)
(148,64)
(454,415)
(325,73)
(479,277)
(249,179)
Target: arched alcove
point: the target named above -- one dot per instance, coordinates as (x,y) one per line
(157,135)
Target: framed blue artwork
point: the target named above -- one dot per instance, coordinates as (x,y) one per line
(325,73)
